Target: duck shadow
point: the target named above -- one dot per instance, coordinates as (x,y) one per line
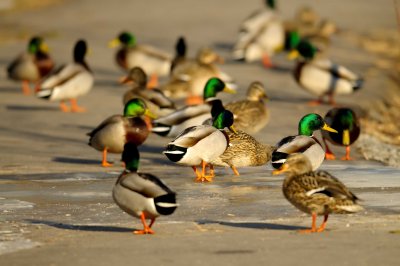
(31,108)
(70,160)
(254,225)
(87,228)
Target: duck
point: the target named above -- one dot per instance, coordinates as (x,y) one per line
(32,65)
(190,115)
(315,192)
(200,145)
(142,195)
(155,99)
(322,77)
(152,60)
(261,35)
(345,121)
(112,134)
(189,77)
(304,142)
(251,114)
(69,81)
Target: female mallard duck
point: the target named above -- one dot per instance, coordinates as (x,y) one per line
(32,65)
(155,100)
(112,134)
(201,145)
(321,77)
(152,60)
(316,193)
(261,35)
(189,77)
(193,115)
(346,123)
(251,114)
(70,81)
(304,142)
(142,195)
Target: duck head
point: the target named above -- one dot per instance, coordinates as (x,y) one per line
(137,76)
(296,164)
(137,107)
(124,38)
(37,45)
(224,119)
(256,91)
(311,122)
(213,86)
(305,49)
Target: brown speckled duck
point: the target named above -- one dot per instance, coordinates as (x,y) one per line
(315,193)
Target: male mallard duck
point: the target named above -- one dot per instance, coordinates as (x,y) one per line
(142,195)
(112,134)
(171,125)
(261,35)
(153,61)
(201,145)
(322,77)
(70,81)
(345,121)
(180,53)
(32,65)
(251,114)
(189,77)
(155,100)
(304,142)
(316,193)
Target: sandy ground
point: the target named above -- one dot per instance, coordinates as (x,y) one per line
(55,199)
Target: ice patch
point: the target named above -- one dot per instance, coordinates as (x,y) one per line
(13,204)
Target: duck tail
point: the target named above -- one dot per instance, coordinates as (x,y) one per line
(278,158)
(166,204)
(351,208)
(44,93)
(160,129)
(174,153)
(358,84)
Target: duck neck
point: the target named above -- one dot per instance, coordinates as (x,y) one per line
(132,165)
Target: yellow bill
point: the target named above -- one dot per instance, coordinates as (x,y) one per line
(233,129)
(229,90)
(293,55)
(114,43)
(44,47)
(328,128)
(149,114)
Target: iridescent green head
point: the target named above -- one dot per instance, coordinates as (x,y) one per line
(292,39)
(130,156)
(306,49)
(36,44)
(213,86)
(80,51)
(311,122)
(270,3)
(127,39)
(137,107)
(224,119)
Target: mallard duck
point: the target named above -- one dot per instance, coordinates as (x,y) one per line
(189,78)
(320,76)
(69,81)
(180,53)
(32,65)
(192,115)
(153,61)
(112,134)
(304,142)
(155,100)
(260,36)
(315,193)
(142,195)
(345,121)
(251,114)
(201,145)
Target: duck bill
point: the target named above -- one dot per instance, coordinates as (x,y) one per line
(328,128)
(114,43)
(346,137)
(150,114)
(44,48)
(293,55)
(231,128)
(125,80)
(229,90)
(281,170)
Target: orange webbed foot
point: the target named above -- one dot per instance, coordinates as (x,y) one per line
(314,103)
(64,108)
(143,232)
(307,231)
(330,156)
(106,164)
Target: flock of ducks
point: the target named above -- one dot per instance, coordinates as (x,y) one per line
(206,132)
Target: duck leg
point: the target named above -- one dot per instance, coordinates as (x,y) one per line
(316,102)
(313,225)
(26,90)
(75,108)
(146,228)
(235,171)
(208,178)
(266,61)
(198,174)
(322,226)
(63,107)
(332,100)
(328,153)
(104,162)
(347,156)
(153,82)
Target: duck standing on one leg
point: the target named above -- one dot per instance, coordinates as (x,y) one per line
(322,77)
(304,142)
(32,65)
(316,193)
(112,134)
(347,125)
(142,195)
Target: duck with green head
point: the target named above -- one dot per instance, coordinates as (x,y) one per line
(171,125)
(347,125)
(32,65)
(70,81)
(112,134)
(153,61)
(304,142)
(142,195)
(200,145)
(320,76)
